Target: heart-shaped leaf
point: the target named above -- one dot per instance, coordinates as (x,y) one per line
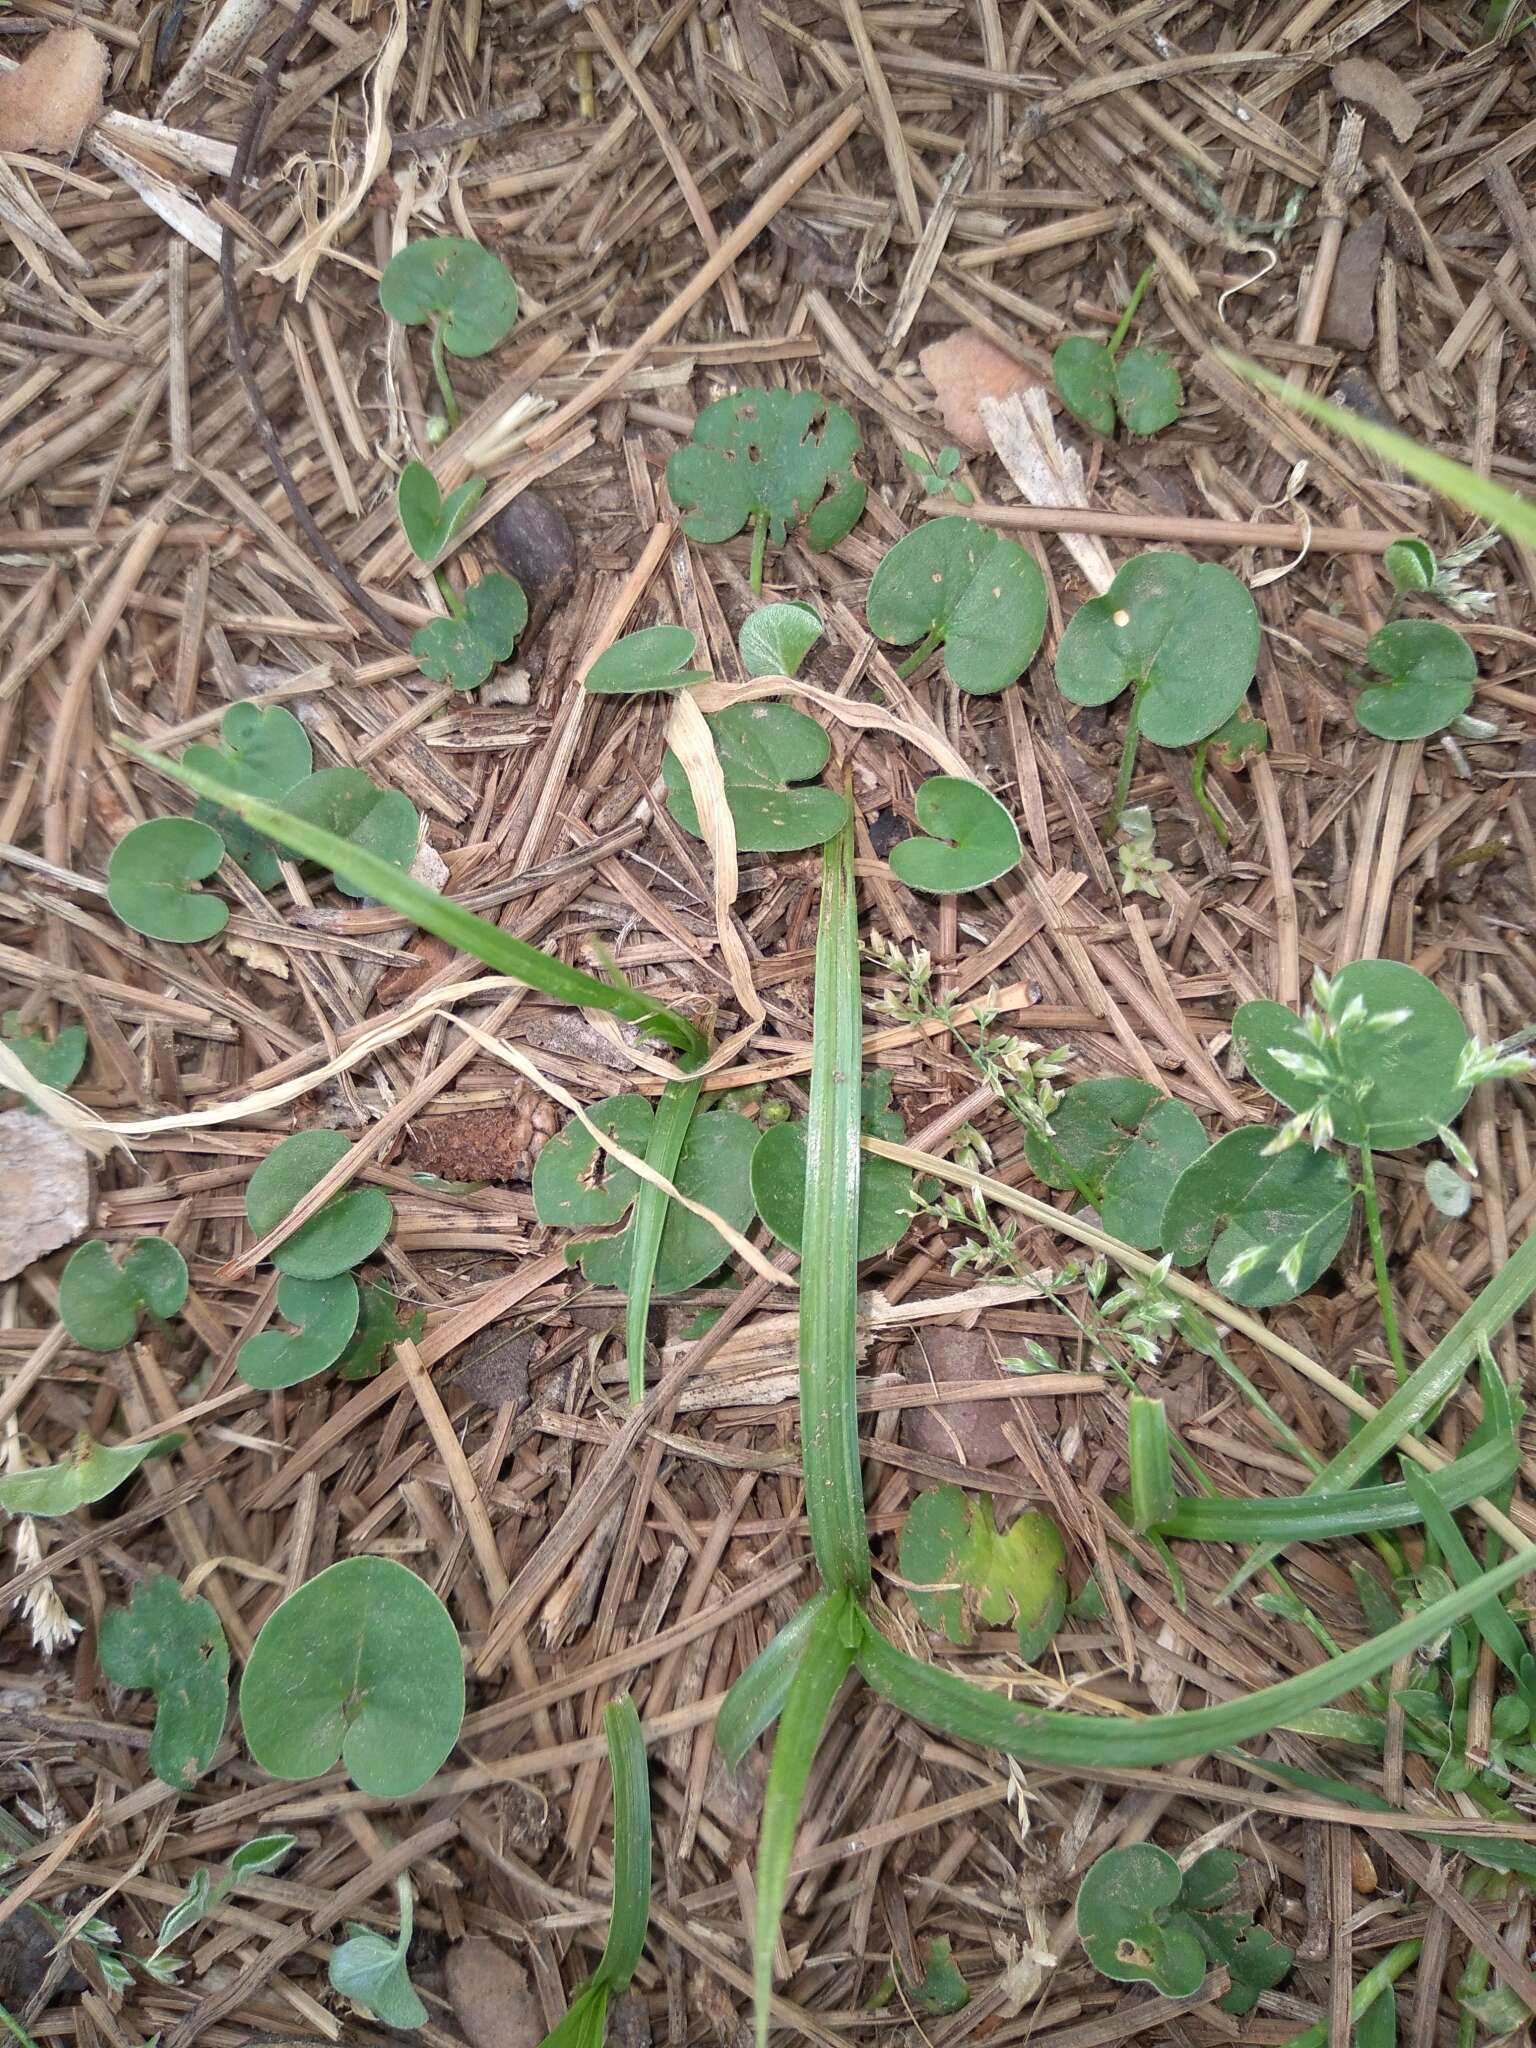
(152,880)
(362,1664)
(1267,1226)
(1091,1126)
(1142,386)
(379,1330)
(775,457)
(263,750)
(1127,1924)
(578,1186)
(1137,1186)
(324,1314)
(100,1301)
(431,521)
(1185,634)
(1389,1085)
(980,596)
(776,638)
(764,751)
(950,1543)
(715,1168)
(885,1186)
(90,1473)
(655,658)
(1430,671)
(56,1061)
(458,285)
(174,1648)
(1411,565)
(350,1226)
(342,800)
(1084,374)
(972,841)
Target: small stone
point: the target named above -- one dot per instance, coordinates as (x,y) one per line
(1377,87)
(495,1368)
(1349,318)
(45,1190)
(964,1432)
(491,1997)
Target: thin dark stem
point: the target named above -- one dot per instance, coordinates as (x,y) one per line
(1379,1261)
(1127,764)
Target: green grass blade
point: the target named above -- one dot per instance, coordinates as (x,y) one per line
(1504,509)
(631,1913)
(825,1661)
(1152,1495)
(1493,1623)
(434,913)
(959,1708)
(669,1127)
(584,2021)
(756,1700)
(829,1422)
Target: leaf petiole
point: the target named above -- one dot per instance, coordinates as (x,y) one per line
(440,372)
(448,594)
(1138,292)
(921,652)
(1127,768)
(1202,798)
(759,544)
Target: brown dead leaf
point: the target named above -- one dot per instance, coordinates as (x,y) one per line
(963,369)
(491,1997)
(45,1190)
(51,99)
(1377,87)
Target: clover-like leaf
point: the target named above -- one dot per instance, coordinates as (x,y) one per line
(1090,1128)
(456,284)
(1411,565)
(972,839)
(654,658)
(951,1547)
(1430,672)
(885,1186)
(1142,387)
(152,880)
(350,1226)
(1084,375)
(1266,1226)
(451,651)
(100,1301)
(1185,634)
(1127,1923)
(379,1330)
(1254,1959)
(324,1314)
(361,1664)
(173,1647)
(497,608)
(90,1473)
(577,1185)
(56,1061)
(431,521)
(954,584)
(715,1168)
(263,750)
(776,638)
(1137,1186)
(776,458)
(765,751)
(343,800)
(1389,1086)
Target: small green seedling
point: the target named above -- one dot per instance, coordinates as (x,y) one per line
(1139,861)
(1268,1222)
(938,477)
(432,522)
(265,751)
(940,1991)
(885,1186)
(954,585)
(90,1473)
(325,1316)
(1416,571)
(971,841)
(379,1330)
(346,1230)
(463,649)
(1429,673)
(372,1971)
(173,1647)
(100,1301)
(951,1545)
(56,1061)
(655,658)
(768,753)
(1097,384)
(206,1892)
(776,638)
(1410,565)
(1121,1146)
(776,458)
(343,801)
(363,1665)
(1181,635)
(1143,1920)
(153,875)
(458,289)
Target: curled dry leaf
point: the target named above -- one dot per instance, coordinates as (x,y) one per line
(48,102)
(964,368)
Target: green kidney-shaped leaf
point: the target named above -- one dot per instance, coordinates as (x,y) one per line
(451,651)
(715,1168)
(90,1473)
(457,283)
(982,593)
(361,1664)
(431,521)
(782,457)
(342,800)
(1148,394)
(655,658)
(578,1186)
(263,750)
(174,1648)
(885,1186)
(765,750)
(1185,632)
(324,1314)
(152,880)
(56,1061)
(1430,671)
(776,638)
(1084,374)
(1411,566)
(1090,1129)
(1266,1226)
(950,1545)
(1125,1917)
(1396,1086)
(341,1235)
(100,1300)
(972,839)
(1137,1186)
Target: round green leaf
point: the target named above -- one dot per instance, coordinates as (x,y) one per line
(578,1186)
(972,841)
(776,638)
(1266,1226)
(100,1301)
(56,1061)
(1090,1129)
(1125,1888)
(1138,1184)
(152,880)
(174,1648)
(950,1545)
(430,520)
(263,750)
(361,1664)
(344,1232)
(1430,671)
(324,1314)
(1187,631)
(982,594)
(1148,394)
(1388,1088)
(764,750)
(456,281)
(715,1168)
(655,658)
(1084,372)
(342,800)
(778,1189)
(1411,566)
(778,456)
(452,651)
